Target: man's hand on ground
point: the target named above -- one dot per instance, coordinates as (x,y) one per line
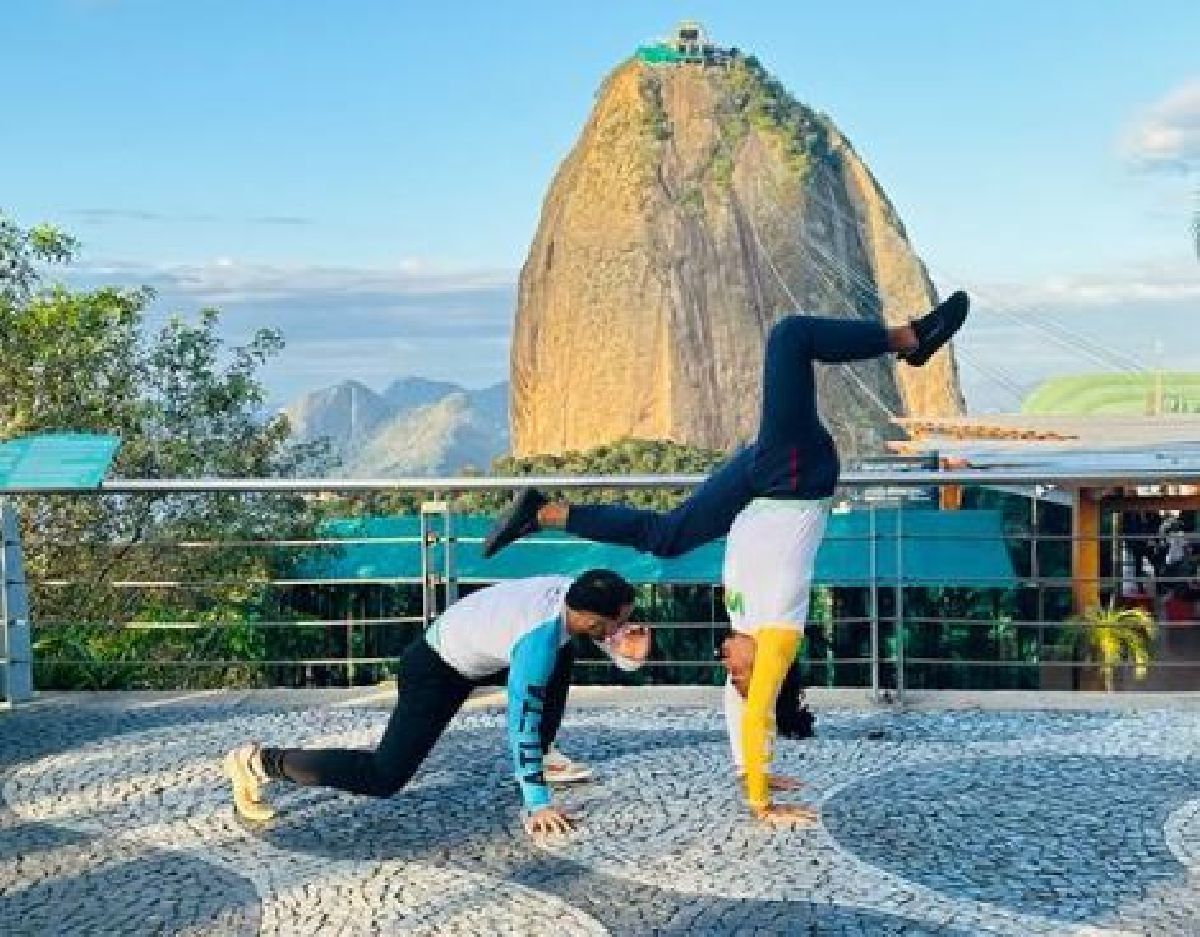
(549,820)
(787,815)
(783,782)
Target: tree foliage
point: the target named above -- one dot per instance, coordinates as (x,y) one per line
(625,457)
(184,406)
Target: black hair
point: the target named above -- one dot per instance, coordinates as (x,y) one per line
(601,592)
(793,719)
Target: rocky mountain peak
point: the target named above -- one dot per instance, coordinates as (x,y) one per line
(700,203)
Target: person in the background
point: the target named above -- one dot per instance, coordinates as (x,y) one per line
(1175,540)
(524,626)
(1139,528)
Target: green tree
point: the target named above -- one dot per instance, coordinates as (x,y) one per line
(184,406)
(624,457)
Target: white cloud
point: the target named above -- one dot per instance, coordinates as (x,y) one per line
(104,216)
(373,324)
(1167,136)
(1136,283)
(1137,317)
(417,318)
(226,280)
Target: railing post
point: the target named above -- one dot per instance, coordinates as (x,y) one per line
(873,607)
(448,567)
(428,586)
(1035,569)
(900,604)
(431,536)
(16,655)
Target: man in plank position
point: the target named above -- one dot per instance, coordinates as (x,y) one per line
(524,626)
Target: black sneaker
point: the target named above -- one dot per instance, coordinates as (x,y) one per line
(936,327)
(518,520)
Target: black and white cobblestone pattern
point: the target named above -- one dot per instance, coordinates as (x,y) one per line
(938,823)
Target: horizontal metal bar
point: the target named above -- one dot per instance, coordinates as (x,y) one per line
(1020,623)
(1022,538)
(1121,665)
(602,662)
(330,623)
(851,661)
(715,626)
(320,662)
(996,582)
(247,544)
(848,661)
(226,623)
(1169,473)
(226,583)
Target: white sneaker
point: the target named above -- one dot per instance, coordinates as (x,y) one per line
(244,771)
(560,769)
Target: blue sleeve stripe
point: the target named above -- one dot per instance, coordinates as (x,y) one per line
(532,662)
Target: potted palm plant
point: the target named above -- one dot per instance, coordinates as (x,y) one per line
(1107,637)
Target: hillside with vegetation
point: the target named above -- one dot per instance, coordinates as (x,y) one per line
(413,427)
(1163,392)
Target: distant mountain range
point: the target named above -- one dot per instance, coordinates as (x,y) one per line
(414,427)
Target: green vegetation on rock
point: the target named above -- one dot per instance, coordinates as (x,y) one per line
(627,457)
(753,100)
(762,102)
(655,116)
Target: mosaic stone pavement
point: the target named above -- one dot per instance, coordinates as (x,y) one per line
(116,820)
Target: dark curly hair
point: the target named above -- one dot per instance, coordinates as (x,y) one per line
(793,720)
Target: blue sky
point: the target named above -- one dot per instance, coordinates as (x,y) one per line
(368,175)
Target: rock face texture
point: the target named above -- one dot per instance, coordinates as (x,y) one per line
(698,206)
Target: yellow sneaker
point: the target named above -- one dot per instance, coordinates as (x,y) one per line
(244,771)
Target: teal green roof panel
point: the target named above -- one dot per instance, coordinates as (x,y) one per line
(952,548)
(56,460)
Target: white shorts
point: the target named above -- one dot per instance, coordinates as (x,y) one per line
(769,558)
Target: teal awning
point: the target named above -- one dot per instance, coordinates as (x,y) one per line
(950,548)
(56,460)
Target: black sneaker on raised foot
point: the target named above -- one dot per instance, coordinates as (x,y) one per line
(519,519)
(937,327)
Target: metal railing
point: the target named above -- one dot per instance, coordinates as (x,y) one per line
(16,678)
(1172,471)
(883,632)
